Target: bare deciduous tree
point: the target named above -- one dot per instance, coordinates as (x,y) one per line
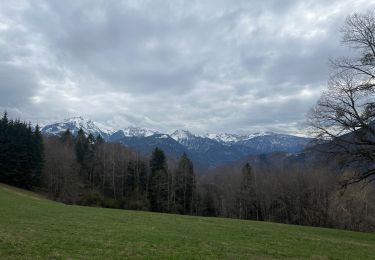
(344,115)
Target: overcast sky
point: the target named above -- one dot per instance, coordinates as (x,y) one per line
(207,66)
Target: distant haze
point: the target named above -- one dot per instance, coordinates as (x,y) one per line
(207,66)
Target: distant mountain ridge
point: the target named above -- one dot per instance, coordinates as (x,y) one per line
(207,150)
(74,124)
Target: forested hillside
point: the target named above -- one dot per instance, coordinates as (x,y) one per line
(303,189)
(85,170)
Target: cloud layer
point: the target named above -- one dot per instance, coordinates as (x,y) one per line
(208,66)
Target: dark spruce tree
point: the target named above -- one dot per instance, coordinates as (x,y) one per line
(158,182)
(185,186)
(247,195)
(136,185)
(99,140)
(21,153)
(81,146)
(85,149)
(67,137)
(4,147)
(37,157)
(208,207)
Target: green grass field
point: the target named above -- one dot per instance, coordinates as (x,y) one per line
(33,227)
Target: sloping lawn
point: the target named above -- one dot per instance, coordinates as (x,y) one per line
(33,227)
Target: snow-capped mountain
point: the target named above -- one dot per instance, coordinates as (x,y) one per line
(224,137)
(140,132)
(94,128)
(208,150)
(76,123)
(193,141)
(182,135)
(131,132)
(235,138)
(272,142)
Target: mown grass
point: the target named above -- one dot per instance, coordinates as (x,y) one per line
(32,227)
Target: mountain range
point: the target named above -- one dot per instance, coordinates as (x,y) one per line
(208,150)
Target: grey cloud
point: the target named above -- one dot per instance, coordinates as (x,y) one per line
(17,85)
(203,65)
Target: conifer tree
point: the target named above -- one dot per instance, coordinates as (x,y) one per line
(85,156)
(99,140)
(21,153)
(91,139)
(185,186)
(4,148)
(158,183)
(3,145)
(81,146)
(208,202)
(247,194)
(37,156)
(67,136)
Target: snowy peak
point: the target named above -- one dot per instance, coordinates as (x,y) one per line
(95,128)
(180,135)
(208,149)
(235,138)
(131,132)
(138,132)
(254,135)
(224,138)
(76,123)
(88,126)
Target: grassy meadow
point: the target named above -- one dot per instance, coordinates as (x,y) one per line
(33,227)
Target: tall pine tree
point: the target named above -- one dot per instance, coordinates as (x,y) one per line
(185,186)
(37,157)
(158,182)
(247,195)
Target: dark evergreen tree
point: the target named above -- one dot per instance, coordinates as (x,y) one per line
(99,140)
(131,182)
(91,139)
(143,177)
(37,157)
(247,195)
(185,186)
(4,146)
(136,177)
(208,203)
(158,182)
(67,137)
(136,185)
(85,149)
(81,146)
(21,153)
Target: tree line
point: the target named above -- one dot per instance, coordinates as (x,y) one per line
(86,170)
(21,153)
(300,192)
(89,171)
